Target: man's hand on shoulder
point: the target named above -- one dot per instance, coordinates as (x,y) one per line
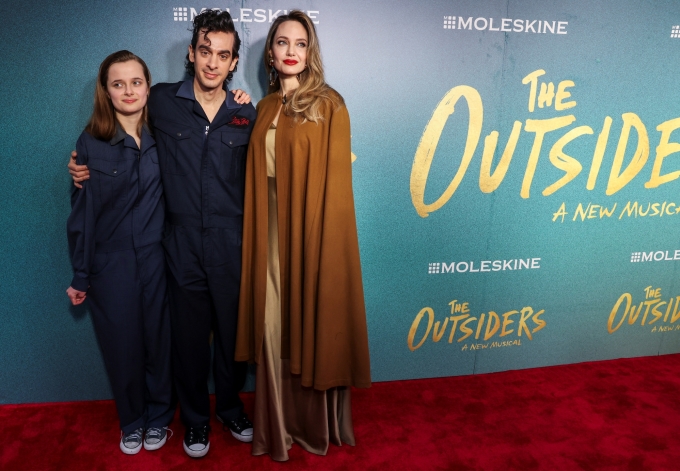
(78,172)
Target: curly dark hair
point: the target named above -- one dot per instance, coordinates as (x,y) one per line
(207,22)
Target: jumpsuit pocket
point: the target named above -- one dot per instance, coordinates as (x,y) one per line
(233,156)
(153,173)
(174,147)
(101,259)
(154,155)
(113,181)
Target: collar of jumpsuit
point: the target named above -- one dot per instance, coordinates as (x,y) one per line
(186,90)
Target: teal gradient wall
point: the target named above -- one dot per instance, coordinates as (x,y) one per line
(394,62)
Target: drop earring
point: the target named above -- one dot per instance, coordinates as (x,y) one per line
(273,75)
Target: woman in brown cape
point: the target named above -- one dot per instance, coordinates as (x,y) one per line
(301,317)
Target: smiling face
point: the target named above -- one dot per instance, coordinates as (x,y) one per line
(213,59)
(127,88)
(289,49)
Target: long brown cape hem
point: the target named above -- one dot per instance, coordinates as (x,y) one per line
(323,317)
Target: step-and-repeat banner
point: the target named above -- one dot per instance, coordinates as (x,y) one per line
(516,174)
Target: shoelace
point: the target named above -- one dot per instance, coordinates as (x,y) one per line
(245,423)
(198,434)
(241,424)
(155,433)
(133,437)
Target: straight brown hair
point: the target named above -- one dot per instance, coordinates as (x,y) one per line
(102,124)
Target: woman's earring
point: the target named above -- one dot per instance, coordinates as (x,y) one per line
(272,73)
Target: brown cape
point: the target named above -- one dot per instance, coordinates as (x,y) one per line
(323,317)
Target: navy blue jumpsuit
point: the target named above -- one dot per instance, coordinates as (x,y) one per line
(203,170)
(114,233)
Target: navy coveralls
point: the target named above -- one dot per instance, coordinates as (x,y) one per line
(203,169)
(114,233)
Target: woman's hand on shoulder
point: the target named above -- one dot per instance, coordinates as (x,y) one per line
(78,172)
(241,97)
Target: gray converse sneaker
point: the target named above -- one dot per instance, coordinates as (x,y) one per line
(131,443)
(155,437)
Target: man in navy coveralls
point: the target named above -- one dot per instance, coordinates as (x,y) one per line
(202,137)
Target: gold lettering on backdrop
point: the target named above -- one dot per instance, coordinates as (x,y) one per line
(495,321)
(430,139)
(540,127)
(654,307)
(563,94)
(541,95)
(488,180)
(414,327)
(618,179)
(631,209)
(483,346)
(532,80)
(461,325)
(663,150)
(598,155)
(559,159)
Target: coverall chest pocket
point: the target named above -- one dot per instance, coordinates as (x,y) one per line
(233,156)
(150,174)
(113,181)
(174,147)
(153,155)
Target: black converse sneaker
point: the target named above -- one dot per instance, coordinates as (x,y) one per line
(131,443)
(155,437)
(196,442)
(241,428)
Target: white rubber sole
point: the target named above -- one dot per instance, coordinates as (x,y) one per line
(130,451)
(196,454)
(241,438)
(156,446)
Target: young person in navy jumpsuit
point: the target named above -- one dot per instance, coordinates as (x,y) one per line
(114,233)
(202,130)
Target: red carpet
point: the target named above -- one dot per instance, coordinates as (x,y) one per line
(612,415)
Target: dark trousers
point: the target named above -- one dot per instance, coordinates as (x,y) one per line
(204,278)
(129,306)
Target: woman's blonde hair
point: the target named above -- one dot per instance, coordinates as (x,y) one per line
(102,124)
(308,100)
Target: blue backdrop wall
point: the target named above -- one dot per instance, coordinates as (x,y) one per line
(516,175)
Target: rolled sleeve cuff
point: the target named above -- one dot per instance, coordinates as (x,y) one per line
(79,283)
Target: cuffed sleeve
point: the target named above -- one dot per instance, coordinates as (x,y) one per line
(80,227)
